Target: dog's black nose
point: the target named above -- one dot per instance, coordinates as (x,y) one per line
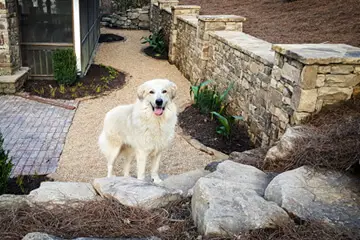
(159,102)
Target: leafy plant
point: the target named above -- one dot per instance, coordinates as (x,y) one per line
(157,42)
(208,99)
(64,62)
(20,183)
(226,124)
(5,167)
(53,91)
(98,89)
(62,89)
(40,91)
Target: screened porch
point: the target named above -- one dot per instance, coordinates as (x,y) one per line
(46,25)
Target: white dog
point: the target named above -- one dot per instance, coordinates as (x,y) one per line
(141,130)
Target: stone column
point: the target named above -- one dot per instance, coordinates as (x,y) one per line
(177,11)
(12,76)
(306,77)
(167,3)
(209,23)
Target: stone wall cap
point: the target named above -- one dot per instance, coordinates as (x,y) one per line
(186,7)
(245,43)
(190,19)
(221,18)
(14,77)
(320,53)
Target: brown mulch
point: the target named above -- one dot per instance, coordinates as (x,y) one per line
(149,51)
(331,140)
(109,37)
(299,21)
(203,128)
(98,80)
(108,218)
(23,185)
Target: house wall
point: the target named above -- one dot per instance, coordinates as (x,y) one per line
(275,86)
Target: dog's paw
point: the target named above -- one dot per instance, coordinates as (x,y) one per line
(157,180)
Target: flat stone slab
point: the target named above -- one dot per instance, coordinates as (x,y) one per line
(61,192)
(320,53)
(135,193)
(321,196)
(9,200)
(184,182)
(34,133)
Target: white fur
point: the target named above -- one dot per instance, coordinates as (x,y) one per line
(134,131)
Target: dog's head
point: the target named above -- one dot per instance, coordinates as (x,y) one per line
(158,93)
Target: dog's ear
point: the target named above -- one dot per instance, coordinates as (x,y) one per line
(173,89)
(141,92)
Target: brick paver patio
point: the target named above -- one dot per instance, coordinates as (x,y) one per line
(34,133)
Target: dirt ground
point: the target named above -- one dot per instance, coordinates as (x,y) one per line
(299,21)
(81,159)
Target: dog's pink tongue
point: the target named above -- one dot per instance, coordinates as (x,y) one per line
(158,111)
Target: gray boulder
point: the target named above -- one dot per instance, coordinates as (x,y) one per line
(135,193)
(230,200)
(9,200)
(254,157)
(184,182)
(61,192)
(323,196)
(220,207)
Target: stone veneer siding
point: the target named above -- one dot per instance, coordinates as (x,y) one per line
(10,60)
(275,86)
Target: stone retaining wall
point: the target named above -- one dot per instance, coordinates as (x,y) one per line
(275,86)
(137,18)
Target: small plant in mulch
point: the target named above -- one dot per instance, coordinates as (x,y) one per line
(98,80)
(207,120)
(5,167)
(157,46)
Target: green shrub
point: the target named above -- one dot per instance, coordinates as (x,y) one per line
(64,62)
(208,99)
(226,123)
(157,42)
(5,167)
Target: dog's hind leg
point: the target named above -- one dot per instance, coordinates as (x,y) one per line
(141,158)
(155,168)
(110,151)
(112,155)
(128,155)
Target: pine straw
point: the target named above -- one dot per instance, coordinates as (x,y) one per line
(331,140)
(108,218)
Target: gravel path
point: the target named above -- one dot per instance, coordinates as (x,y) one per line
(81,159)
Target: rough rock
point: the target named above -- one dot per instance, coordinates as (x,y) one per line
(312,195)
(60,192)
(133,192)
(9,200)
(245,176)
(144,17)
(230,200)
(220,207)
(287,142)
(184,182)
(144,25)
(45,236)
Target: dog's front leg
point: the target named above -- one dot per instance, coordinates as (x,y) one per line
(155,169)
(141,158)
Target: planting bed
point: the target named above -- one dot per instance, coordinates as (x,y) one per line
(25,184)
(109,37)
(98,80)
(150,52)
(203,128)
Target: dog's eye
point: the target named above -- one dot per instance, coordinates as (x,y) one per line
(164,91)
(152,92)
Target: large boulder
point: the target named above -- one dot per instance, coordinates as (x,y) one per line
(9,200)
(184,182)
(230,200)
(62,192)
(135,193)
(318,195)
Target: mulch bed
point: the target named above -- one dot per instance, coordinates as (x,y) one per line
(28,183)
(150,52)
(99,79)
(109,218)
(203,128)
(299,21)
(109,37)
